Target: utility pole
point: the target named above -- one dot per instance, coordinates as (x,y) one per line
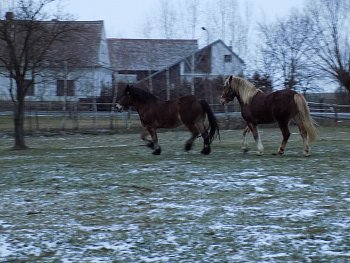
(167,84)
(206,30)
(65,86)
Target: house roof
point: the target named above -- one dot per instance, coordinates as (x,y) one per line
(227,47)
(148,54)
(83,46)
(219,41)
(78,42)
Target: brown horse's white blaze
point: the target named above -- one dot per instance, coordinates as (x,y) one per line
(279,106)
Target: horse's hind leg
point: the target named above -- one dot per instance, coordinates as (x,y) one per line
(286,134)
(206,147)
(194,131)
(206,140)
(304,136)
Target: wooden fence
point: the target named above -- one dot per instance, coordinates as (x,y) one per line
(101,117)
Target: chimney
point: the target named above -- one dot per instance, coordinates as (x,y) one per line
(9,15)
(230,45)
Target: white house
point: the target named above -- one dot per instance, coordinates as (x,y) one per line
(89,64)
(210,62)
(68,79)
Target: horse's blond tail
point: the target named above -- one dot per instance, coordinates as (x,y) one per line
(305,117)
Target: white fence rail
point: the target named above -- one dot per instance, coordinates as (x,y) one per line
(330,111)
(97,117)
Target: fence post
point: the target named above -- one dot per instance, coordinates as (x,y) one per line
(112,124)
(75,116)
(335,113)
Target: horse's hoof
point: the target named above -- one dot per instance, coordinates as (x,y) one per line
(188,147)
(245,150)
(280,152)
(206,151)
(157,151)
(150,145)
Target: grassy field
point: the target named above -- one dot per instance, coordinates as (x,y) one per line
(106,198)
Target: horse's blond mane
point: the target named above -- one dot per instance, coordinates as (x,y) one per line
(244,89)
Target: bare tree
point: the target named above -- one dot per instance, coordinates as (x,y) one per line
(25,42)
(331,21)
(220,15)
(189,13)
(286,47)
(167,19)
(147,27)
(229,21)
(240,30)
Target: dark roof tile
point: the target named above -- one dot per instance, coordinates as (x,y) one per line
(146,54)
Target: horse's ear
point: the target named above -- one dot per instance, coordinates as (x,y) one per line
(230,79)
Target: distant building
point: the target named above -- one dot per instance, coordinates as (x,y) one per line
(89,65)
(82,66)
(210,62)
(135,59)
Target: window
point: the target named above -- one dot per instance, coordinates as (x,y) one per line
(228,58)
(70,88)
(29,86)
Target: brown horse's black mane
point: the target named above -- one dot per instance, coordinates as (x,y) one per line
(141,95)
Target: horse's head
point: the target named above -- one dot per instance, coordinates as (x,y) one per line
(228,94)
(125,100)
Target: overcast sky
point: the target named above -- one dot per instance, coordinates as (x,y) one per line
(125,18)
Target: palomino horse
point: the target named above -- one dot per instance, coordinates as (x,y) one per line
(280,106)
(155,114)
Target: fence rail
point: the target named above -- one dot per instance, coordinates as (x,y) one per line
(330,111)
(102,116)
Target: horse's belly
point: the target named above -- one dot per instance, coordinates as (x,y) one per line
(265,120)
(168,122)
(257,117)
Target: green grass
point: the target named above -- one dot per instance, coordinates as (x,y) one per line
(84,198)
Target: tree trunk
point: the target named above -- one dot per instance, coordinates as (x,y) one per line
(344,78)
(19,125)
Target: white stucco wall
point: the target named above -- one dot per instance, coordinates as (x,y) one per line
(88,83)
(219,66)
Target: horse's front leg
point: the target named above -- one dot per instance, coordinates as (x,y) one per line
(156,147)
(149,143)
(256,136)
(245,147)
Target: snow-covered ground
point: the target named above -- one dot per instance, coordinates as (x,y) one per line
(104,198)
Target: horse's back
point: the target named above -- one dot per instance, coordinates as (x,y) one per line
(279,105)
(162,114)
(267,108)
(281,97)
(190,108)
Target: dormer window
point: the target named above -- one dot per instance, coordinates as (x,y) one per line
(228,58)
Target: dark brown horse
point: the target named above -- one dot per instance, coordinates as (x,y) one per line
(155,114)
(279,106)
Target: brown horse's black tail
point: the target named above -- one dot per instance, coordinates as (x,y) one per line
(213,123)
